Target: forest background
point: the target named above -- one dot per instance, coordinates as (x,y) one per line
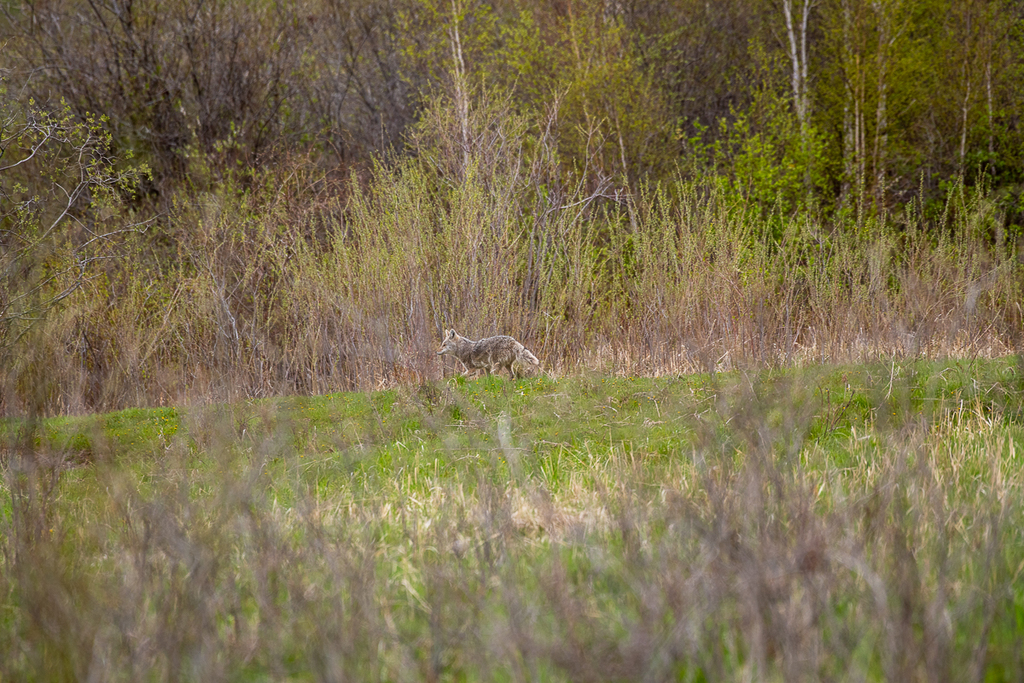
(216,199)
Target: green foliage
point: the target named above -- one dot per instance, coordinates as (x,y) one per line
(774,162)
(895,91)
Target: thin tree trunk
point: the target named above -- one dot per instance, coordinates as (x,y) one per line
(988,96)
(858,155)
(965,108)
(849,113)
(798,60)
(964,118)
(794,59)
(881,114)
(461,96)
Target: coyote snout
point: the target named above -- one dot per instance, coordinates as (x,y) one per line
(490,354)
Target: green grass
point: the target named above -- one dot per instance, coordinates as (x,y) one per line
(826,522)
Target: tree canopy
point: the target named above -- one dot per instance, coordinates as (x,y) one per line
(844,105)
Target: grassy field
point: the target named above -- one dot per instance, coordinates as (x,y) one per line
(836,523)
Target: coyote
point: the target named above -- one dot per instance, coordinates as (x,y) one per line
(492,354)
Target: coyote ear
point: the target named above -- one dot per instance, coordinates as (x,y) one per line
(451,334)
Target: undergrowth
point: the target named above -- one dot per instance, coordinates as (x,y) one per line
(270,285)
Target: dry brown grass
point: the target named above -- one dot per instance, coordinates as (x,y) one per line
(283,291)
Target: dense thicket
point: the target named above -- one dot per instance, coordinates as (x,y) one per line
(296,196)
(804,101)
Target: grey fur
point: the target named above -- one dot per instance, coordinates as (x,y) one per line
(490,354)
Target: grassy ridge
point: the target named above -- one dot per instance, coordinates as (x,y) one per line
(858,521)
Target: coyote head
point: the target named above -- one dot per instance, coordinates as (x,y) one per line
(448,345)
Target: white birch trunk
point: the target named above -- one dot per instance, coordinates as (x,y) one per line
(461,95)
(797,36)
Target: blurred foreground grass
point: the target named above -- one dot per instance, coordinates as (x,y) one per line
(829,523)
